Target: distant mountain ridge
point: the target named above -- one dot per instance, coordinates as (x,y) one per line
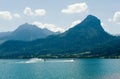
(86,39)
(27,32)
(2,34)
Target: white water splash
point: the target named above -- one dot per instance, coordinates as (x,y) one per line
(37,60)
(34,60)
(69,60)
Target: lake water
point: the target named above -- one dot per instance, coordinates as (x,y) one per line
(60,69)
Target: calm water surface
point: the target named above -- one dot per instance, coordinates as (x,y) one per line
(60,69)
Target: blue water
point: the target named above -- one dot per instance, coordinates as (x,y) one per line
(61,69)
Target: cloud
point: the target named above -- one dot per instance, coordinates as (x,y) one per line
(102,24)
(75,23)
(51,27)
(6,15)
(28,11)
(115,18)
(75,8)
(16,15)
(38,12)
(110,20)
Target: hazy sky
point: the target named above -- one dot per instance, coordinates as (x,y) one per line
(58,14)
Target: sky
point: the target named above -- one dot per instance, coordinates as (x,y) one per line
(58,15)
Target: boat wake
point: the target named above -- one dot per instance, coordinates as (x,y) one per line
(38,60)
(33,60)
(69,60)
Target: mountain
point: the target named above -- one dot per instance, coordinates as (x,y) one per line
(87,39)
(27,32)
(2,34)
(89,29)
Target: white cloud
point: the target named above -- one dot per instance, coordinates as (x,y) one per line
(115,18)
(40,12)
(6,15)
(28,11)
(75,23)
(51,27)
(110,20)
(102,23)
(16,15)
(76,8)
